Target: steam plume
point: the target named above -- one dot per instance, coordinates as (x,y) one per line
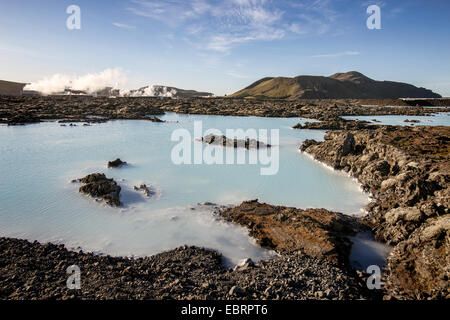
(89,83)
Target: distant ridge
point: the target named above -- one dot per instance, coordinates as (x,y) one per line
(349,85)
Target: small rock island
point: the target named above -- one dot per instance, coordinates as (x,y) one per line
(98,185)
(235,143)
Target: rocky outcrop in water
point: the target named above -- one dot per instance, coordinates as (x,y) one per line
(318,233)
(234,143)
(97,185)
(116,163)
(407,170)
(334,124)
(156,119)
(144,189)
(38,271)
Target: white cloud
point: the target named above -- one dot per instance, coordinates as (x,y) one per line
(297,28)
(221,25)
(315,17)
(339,54)
(223,43)
(236,75)
(172,12)
(218,26)
(123,25)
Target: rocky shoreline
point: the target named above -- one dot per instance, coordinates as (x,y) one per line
(33,109)
(407,170)
(335,123)
(38,271)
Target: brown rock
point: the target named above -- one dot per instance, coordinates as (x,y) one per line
(419,267)
(97,185)
(116,163)
(407,170)
(316,232)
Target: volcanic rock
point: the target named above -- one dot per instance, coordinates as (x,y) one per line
(116,163)
(143,188)
(407,171)
(97,185)
(235,143)
(31,271)
(316,232)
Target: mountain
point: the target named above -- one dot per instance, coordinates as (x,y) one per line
(351,85)
(163,91)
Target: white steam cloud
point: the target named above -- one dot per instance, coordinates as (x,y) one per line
(88,83)
(150,91)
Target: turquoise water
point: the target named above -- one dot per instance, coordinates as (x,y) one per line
(39,202)
(436,119)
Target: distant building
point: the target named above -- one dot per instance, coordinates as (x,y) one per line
(8,88)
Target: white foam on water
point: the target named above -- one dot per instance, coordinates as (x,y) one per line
(435,119)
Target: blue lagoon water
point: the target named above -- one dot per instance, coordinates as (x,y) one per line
(436,119)
(39,202)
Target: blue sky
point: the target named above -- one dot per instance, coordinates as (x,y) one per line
(222,46)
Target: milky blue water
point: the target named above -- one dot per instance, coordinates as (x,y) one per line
(428,107)
(436,119)
(39,202)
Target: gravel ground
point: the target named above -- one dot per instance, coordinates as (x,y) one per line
(38,271)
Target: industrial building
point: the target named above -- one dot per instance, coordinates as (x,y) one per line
(8,88)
